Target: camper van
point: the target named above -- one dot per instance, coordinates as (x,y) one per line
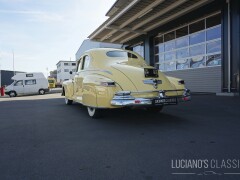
(27,83)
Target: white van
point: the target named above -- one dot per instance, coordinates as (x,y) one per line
(27,83)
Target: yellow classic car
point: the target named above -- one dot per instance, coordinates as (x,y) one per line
(116,78)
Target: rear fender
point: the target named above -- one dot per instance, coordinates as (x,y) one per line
(175,81)
(97,95)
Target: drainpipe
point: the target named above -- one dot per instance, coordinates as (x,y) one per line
(229,47)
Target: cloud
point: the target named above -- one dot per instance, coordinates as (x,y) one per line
(43,32)
(13,1)
(36,16)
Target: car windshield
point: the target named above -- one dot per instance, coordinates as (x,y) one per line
(121,54)
(51,81)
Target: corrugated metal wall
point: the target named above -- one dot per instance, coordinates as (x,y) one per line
(200,79)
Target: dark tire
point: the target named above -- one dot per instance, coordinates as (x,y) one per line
(68,101)
(94,112)
(12,94)
(154,109)
(41,91)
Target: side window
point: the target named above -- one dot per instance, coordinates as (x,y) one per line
(30,82)
(79,65)
(86,62)
(19,83)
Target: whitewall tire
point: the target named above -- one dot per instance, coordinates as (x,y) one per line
(68,101)
(93,112)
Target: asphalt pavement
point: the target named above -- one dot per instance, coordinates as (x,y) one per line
(42,138)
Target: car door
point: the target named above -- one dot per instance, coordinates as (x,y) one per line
(30,86)
(19,87)
(78,79)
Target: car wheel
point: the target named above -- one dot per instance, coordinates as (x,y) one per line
(12,94)
(68,101)
(41,91)
(155,109)
(94,112)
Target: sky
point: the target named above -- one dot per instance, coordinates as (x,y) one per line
(39,33)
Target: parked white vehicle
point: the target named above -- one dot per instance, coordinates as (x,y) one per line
(27,83)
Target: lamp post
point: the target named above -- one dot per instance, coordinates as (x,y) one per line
(13,63)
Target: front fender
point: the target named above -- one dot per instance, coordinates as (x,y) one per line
(67,89)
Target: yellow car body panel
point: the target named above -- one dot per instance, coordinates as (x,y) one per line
(101,76)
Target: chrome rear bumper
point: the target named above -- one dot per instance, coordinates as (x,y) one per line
(124,98)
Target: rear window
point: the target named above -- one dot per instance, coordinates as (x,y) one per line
(121,54)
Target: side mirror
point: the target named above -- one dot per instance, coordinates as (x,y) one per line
(70,72)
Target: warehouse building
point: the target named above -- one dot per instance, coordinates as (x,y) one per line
(196,40)
(6,77)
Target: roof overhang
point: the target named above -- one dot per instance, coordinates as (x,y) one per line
(129,19)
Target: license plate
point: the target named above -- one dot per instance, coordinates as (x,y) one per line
(165,101)
(150,72)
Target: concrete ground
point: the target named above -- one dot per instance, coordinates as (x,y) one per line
(42,138)
(51,91)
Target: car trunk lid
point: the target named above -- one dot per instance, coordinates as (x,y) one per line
(137,76)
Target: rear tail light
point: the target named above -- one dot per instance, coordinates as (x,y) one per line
(137,101)
(188,98)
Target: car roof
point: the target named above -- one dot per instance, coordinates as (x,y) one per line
(105,49)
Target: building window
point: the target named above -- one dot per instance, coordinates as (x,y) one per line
(65,64)
(195,45)
(183,64)
(214,33)
(169,56)
(169,36)
(213,47)
(182,53)
(182,32)
(213,21)
(139,49)
(73,64)
(214,60)
(182,42)
(66,70)
(169,46)
(197,38)
(197,50)
(197,26)
(197,61)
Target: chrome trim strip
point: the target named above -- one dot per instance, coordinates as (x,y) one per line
(129,100)
(153,82)
(157,91)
